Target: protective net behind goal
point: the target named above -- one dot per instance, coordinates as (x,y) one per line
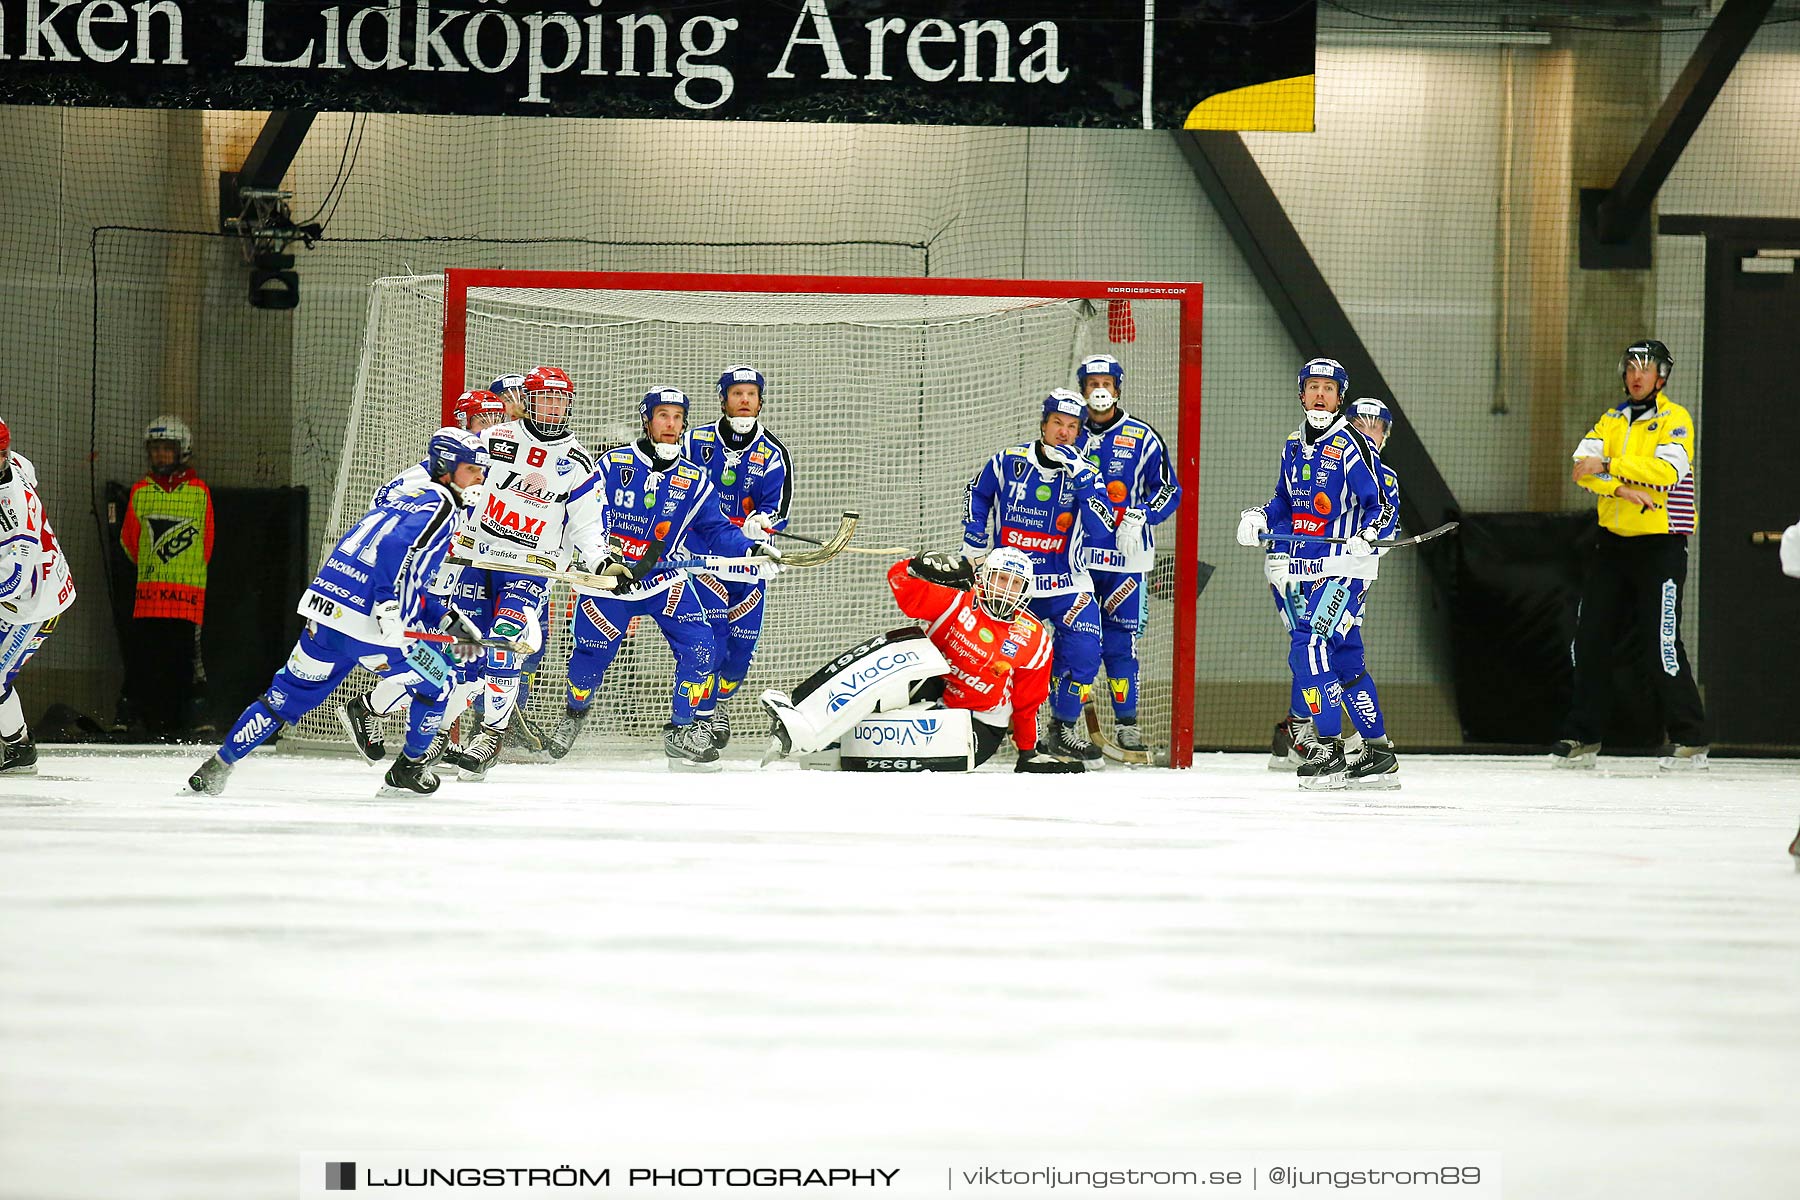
(888,404)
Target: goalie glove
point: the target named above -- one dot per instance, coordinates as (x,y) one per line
(1033,762)
(1252,524)
(949,569)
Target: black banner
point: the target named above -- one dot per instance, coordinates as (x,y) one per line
(1215,64)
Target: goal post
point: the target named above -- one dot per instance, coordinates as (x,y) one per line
(888,392)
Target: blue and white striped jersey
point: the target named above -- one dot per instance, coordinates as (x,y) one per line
(1329,486)
(393,553)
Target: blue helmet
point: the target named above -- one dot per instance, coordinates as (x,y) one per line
(1101,364)
(1369,406)
(1062,400)
(742,374)
(1325,368)
(450,447)
(658,396)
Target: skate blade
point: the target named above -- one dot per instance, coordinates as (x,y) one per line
(1281,762)
(1575,764)
(1323,783)
(18,772)
(1095,764)
(388,791)
(1680,764)
(1375,783)
(688,766)
(470,776)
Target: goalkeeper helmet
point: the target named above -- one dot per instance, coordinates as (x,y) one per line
(1003,583)
(174,431)
(1648,351)
(549,395)
(477,409)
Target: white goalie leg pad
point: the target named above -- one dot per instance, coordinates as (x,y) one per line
(874,675)
(916,738)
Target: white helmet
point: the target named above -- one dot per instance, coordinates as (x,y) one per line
(1003,583)
(171,429)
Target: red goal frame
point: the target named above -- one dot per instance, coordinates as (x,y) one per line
(458,281)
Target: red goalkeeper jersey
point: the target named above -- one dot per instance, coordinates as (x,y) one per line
(999,670)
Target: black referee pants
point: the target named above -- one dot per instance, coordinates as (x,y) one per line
(1631,607)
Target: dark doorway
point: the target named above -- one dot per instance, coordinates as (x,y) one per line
(1748,609)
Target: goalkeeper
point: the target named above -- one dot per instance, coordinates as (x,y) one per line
(986,655)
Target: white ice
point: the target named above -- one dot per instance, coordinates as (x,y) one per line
(1597,976)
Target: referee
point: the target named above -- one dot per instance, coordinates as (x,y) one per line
(1638,459)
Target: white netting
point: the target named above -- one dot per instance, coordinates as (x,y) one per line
(887,404)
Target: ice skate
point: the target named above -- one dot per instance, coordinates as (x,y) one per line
(409,777)
(1065,739)
(690,747)
(1375,768)
(363,725)
(1324,768)
(209,780)
(473,760)
(562,738)
(1573,755)
(18,758)
(1682,758)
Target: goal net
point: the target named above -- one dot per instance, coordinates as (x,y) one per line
(889,394)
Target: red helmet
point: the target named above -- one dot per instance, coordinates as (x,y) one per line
(5,441)
(548,384)
(472,405)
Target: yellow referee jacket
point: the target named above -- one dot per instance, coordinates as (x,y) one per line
(1654,452)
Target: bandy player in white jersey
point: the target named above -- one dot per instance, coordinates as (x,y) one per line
(541,509)
(35,589)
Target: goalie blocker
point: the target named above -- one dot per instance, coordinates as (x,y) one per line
(874,708)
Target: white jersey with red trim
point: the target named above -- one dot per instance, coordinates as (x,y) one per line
(541,502)
(35,584)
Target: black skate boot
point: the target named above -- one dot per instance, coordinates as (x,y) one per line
(364,727)
(1324,768)
(1065,739)
(440,743)
(473,759)
(1127,735)
(562,738)
(721,728)
(20,757)
(690,747)
(1375,768)
(209,780)
(409,777)
(1574,755)
(1294,736)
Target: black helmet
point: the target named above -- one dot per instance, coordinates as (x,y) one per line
(1653,350)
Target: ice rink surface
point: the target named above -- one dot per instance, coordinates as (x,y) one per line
(1597,976)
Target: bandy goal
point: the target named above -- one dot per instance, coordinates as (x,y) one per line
(889,393)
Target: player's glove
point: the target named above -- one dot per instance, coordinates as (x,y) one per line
(1358,543)
(950,569)
(1034,762)
(1132,531)
(1275,570)
(1061,458)
(771,566)
(390,627)
(1790,551)
(758,526)
(1251,525)
(467,647)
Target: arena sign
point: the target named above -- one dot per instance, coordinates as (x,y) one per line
(1209,64)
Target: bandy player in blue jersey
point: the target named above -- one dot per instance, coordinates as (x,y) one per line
(752,476)
(372,588)
(1135,469)
(1042,497)
(658,506)
(1329,486)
